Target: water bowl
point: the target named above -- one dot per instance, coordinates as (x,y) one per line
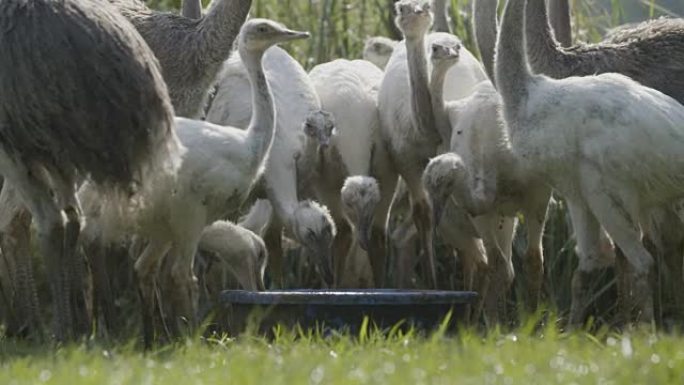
(342,310)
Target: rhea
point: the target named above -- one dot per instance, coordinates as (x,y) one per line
(483,175)
(352,161)
(218,170)
(406,114)
(609,145)
(192,49)
(651,53)
(53,137)
(306,221)
(378,50)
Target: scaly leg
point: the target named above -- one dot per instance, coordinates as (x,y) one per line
(37,196)
(377,254)
(422,218)
(104,299)
(16,244)
(492,227)
(146,268)
(273,238)
(587,234)
(535,218)
(624,230)
(185,290)
(341,246)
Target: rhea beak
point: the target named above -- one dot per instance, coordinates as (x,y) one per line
(454,51)
(364,231)
(323,141)
(289,34)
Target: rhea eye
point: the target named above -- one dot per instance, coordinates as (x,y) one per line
(262,29)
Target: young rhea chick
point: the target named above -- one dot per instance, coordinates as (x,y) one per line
(485,178)
(237,251)
(443,176)
(360,196)
(378,50)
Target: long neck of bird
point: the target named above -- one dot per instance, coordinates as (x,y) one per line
(262,125)
(421,104)
(311,161)
(485,25)
(192,9)
(545,56)
(559,15)
(441,22)
(442,123)
(219,28)
(512,74)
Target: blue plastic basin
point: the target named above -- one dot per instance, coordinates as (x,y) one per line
(341,309)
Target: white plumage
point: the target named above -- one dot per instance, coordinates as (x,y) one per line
(295,99)
(611,146)
(238,252)
(378,50)
(485,178)
(406,115)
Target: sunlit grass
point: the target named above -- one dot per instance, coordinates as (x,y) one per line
(525,357)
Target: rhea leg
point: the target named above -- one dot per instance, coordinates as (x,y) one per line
(494,229)
(146,268)
(50,226)
(184,289)
(341,247)
(103,296)
(378,248)
(666,239)
(457,229)
(16,245)
(75,265)
(422,218)
(404,238)
(535,218)
(624,230)
(587,233)
(273,238)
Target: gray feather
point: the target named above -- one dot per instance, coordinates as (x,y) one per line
(73,75)
(191,51)
(651,53)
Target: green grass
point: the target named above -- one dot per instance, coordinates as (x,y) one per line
(544,358)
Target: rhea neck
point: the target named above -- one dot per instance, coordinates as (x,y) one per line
(439,71)
(219,27)
(559,16)
(512,74)
(262,124)
(485,26)
(441,23)
(545,55)
(192,9)
(421,103)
